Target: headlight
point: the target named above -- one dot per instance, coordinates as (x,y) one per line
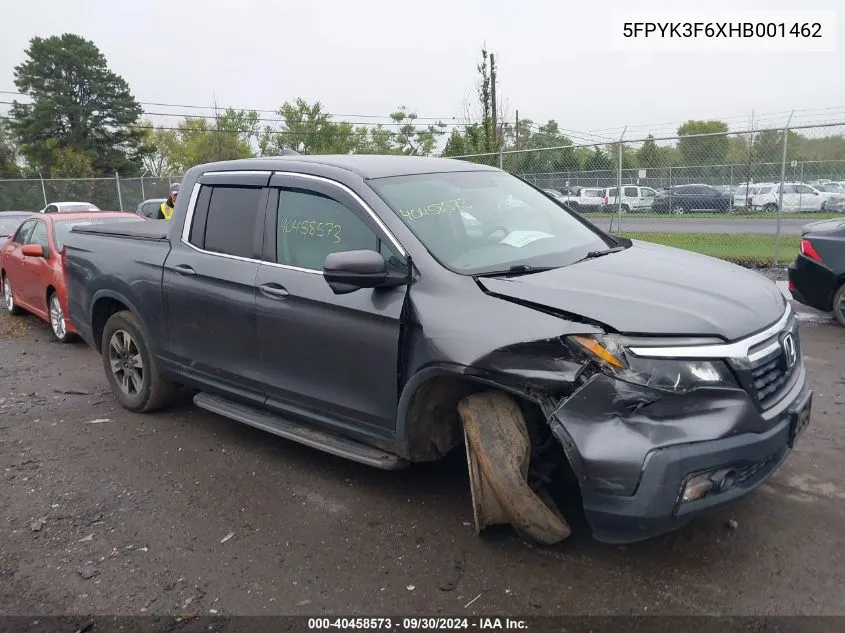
(676,376)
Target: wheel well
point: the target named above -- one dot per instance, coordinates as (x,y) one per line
(50,290)
(434,429)
(432,425)
(103,309)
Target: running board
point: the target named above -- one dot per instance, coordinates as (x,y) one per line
(304,434)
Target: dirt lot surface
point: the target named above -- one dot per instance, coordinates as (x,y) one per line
(107,512)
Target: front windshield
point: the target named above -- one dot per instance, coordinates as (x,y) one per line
(476,222)
(63,227)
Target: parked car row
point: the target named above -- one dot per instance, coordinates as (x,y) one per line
(689,198)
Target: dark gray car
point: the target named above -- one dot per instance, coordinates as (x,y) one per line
(393,309)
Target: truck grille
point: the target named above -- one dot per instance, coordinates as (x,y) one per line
(769,377)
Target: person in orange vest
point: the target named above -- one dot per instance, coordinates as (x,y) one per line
(166,210)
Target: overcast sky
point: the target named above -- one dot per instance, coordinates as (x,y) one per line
(555,59)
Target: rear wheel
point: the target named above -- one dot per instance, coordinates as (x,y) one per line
(57,319)
(770,208)
(131,368)
(839,305)
(9,297)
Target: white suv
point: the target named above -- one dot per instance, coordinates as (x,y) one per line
(634,198)
(797,197)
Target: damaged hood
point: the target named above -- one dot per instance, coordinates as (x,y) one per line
(654,290)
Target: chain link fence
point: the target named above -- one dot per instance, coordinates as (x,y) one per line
(743,196)
(109,194)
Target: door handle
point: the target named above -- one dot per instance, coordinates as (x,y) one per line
(184,269)
(274,291)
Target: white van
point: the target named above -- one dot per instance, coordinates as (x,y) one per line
(634,198)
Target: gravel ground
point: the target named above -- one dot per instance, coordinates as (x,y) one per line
(107,512)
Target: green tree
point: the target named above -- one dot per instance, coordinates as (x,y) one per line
(703,150)
(411,139)
(9,167)
(227,136)
(79,102)
(598,161)
(649,155)
(308,130)
(159,160)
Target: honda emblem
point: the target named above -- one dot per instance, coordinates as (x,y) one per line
(789,350)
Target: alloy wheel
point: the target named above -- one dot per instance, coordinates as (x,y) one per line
(57,318)
(7,295)
(126,363)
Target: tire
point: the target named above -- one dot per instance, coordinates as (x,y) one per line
(839,305)
(132,371)
(678,210)
(626,208)
(498,448)
(9,299)
(58,323)
(771,207)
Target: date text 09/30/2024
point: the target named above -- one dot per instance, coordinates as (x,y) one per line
(417,623)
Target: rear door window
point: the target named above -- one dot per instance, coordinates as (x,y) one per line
(630,192)
(225,220)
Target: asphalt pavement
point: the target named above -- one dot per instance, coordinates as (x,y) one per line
(749,226)
(103,511)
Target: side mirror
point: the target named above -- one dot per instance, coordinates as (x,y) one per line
(349,271)
(34,250)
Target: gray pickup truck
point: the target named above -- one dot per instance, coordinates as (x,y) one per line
(341,302)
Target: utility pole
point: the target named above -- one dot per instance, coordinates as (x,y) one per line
(216,133)
(493,100)
(780,188)
(517,130)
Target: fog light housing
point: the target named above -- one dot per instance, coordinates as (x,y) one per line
(697,487)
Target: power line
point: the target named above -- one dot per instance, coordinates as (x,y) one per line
(212,129)
(259,110)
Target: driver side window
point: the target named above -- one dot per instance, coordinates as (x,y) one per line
(310,226)
(38,235)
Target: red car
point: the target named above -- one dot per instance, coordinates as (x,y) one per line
(31,269)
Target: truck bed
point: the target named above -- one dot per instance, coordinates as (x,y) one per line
(155,230)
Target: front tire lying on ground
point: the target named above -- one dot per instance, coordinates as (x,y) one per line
(498,451)
(130,367)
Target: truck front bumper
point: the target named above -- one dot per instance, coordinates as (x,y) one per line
(746,450)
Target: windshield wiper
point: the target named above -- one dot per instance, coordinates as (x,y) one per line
(515,271)
(594,254)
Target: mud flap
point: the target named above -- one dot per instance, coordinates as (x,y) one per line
(498,452)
